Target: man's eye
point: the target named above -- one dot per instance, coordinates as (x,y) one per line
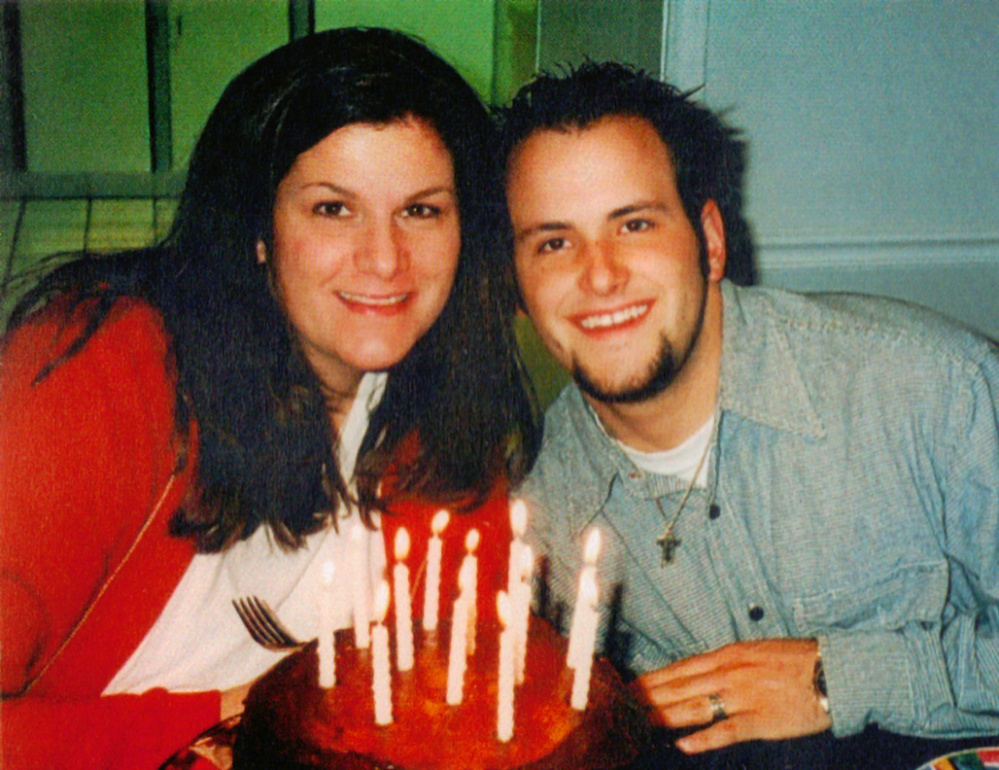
(330,209)
(422,211)
(637,225)
(552,244)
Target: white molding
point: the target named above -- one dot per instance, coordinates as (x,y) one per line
(887,253)
(685,43)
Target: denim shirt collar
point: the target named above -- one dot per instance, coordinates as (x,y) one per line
(760,377)
(760,382)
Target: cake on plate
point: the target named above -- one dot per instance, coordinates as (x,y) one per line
(290,722)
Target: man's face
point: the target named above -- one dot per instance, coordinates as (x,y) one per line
(610,267)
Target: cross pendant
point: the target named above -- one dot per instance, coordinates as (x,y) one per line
(669,543)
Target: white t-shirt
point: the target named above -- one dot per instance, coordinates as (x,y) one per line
(682,460)
(198,642)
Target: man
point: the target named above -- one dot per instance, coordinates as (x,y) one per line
(798,496)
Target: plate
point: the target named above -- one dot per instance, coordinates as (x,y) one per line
(974,759)
(212,750)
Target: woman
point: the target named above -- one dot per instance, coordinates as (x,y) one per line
(323,336)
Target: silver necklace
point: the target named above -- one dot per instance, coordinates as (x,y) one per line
(669,541)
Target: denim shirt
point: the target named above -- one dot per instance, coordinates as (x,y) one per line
(853,497)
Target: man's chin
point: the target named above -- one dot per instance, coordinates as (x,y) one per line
(629,392)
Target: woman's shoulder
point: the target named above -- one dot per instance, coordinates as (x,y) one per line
(131,333)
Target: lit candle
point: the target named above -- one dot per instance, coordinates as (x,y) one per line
(359,586)
(504,716)
(522,610)
(326,646)
(459,643)
(470,586)
(381,683)
(403,610)
(591,551)
(518,526)
(588,637)
(431,596)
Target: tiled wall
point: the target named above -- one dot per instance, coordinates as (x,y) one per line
(36,234)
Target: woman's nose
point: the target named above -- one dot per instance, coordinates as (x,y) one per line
(382,251)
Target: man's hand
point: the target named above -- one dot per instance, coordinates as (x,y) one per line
(764,688)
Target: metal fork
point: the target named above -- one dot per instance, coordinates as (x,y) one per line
(263,625)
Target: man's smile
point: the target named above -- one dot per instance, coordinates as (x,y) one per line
(612,318)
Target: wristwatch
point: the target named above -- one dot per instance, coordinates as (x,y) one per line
(819,683)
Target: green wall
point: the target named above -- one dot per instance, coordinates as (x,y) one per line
(459,30)
(85,83)
(84,69)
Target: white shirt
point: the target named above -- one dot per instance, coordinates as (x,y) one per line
(198,642)
(682,460)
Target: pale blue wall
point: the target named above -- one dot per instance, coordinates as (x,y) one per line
(873,130)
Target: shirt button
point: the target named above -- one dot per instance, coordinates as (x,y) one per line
(714,511)
(756,613)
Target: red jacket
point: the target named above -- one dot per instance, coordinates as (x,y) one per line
(87,486)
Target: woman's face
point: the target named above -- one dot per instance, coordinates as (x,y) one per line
(366,242)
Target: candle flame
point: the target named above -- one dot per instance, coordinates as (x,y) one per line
(518,517)
(588,587)
(472,540)
(328,569)
(440,520)
(381,601)
(592,548)
(401,544)
(503,610)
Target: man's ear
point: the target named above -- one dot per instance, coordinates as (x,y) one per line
(714,240)
(261,252)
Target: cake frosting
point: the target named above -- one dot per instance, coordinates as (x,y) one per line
(292,723)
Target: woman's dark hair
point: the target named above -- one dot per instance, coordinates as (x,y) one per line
(267,452)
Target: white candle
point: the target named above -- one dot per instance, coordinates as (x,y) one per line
(518,526)
(326,646)
(522,610)
(504,716)
(591,551)
(581,685)
(403,609)
(359,586)
(431,595)
(381,683)
(572,657)
(458,650)
(470,586)
(587,639)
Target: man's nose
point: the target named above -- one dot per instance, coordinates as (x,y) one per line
(603,271)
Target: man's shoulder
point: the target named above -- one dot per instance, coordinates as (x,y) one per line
(857,324)
(574,452)
(568,437)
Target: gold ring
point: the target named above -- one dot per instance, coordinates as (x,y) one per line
(718,712)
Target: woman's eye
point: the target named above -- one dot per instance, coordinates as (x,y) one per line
(421,211)
(552,244)
(330,209)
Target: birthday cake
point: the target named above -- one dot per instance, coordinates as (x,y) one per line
(292,723)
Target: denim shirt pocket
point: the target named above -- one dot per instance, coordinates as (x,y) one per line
(909,593)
